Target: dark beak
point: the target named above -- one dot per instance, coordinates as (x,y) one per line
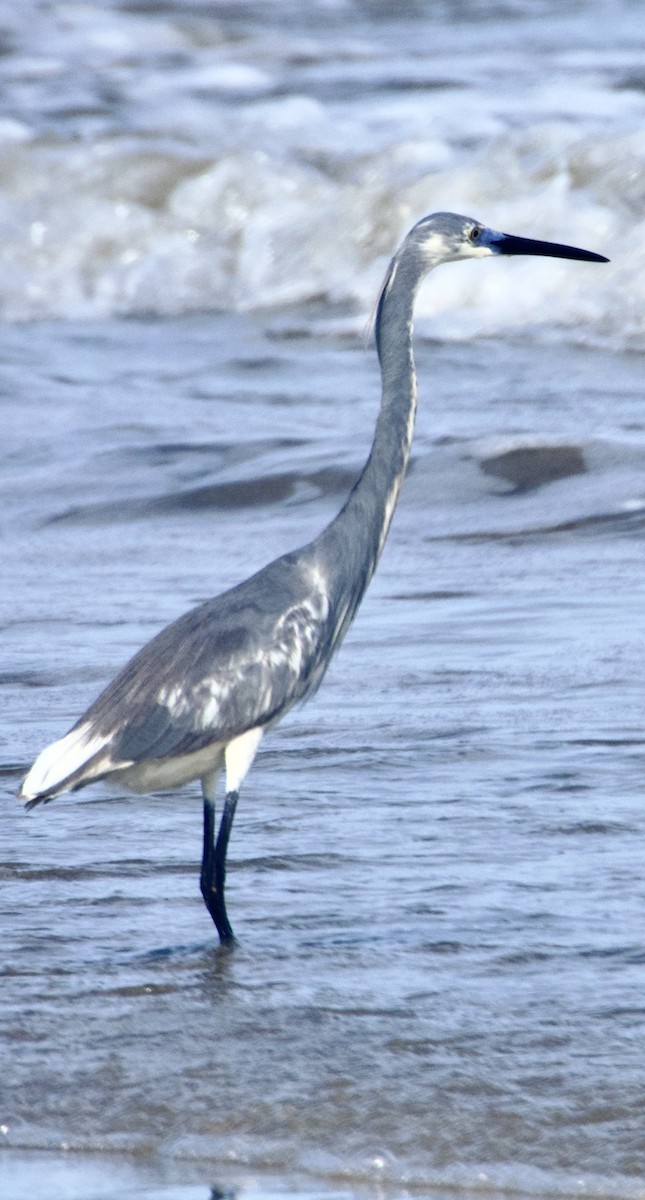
(505,243)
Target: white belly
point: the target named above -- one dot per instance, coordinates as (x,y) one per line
(161,774)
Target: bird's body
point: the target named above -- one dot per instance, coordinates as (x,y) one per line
(235,664)
(200,695)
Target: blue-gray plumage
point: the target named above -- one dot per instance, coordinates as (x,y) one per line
(201,694)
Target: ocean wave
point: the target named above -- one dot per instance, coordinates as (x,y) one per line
(192,163)
(111,229)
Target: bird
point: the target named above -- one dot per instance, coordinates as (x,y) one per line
(198,698)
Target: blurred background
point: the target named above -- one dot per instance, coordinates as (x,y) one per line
(174,158)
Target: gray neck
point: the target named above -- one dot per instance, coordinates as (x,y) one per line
(352,543)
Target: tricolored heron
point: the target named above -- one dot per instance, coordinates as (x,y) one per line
(199,697)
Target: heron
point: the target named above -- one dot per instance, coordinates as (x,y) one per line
(199,697)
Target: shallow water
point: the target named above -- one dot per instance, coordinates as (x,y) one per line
(436,866)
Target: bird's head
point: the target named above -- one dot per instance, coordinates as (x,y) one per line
(447,237)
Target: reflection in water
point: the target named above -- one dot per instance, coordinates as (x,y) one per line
(224,1193)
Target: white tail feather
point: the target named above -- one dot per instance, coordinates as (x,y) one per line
(58,762)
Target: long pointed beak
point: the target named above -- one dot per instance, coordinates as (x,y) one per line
(506,243)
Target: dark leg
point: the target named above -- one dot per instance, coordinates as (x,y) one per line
(213,876)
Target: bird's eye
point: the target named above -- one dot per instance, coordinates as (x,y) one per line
(474,233)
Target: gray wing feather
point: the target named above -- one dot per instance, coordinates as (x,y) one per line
(236,662)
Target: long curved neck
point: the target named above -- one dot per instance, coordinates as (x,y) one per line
(355,538)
